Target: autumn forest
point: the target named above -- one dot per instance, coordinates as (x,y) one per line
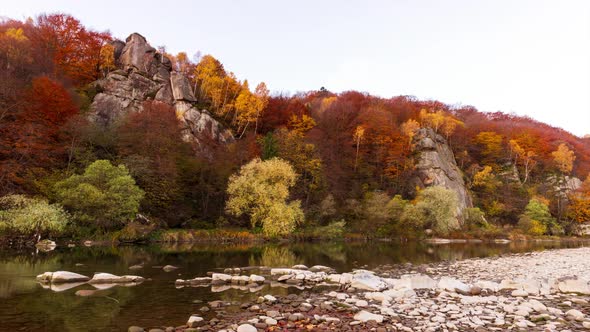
(216,154)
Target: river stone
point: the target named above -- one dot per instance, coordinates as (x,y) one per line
(367,281)
(220,278)
(365,316)
(320,268)
(135,329)
(421,281)
(246,328)
(300,267)
(453,285)
(256,279)
(107,278)
(169,268)
(574,286)
(61,277)
(46,245)
(575,314)
(195,321)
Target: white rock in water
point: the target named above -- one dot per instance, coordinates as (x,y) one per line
(107,278)
(365,316)
(195,321)
(61,277)
(320,268)
(367,281)
(335,278)
(453,285)
(219,278)
(246,328)
(46,245)
(299,267)
(169,268)
(574,286)
(276,272)
(256,279)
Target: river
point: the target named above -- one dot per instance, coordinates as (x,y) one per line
(26,306)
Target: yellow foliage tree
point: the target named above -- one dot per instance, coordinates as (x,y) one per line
(564,158)
(260,190)
(409,128)
(483,177)
(301,124)
(358,135)
(526,158)
(107,58)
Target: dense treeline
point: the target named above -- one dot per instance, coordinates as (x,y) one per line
(316,160)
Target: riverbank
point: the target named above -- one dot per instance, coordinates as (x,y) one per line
(138,235)
(537,291)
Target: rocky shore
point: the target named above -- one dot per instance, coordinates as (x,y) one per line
(538,291)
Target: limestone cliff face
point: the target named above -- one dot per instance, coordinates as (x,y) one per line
(436,166)
(144,74)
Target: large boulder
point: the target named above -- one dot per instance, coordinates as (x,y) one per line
(436,166)
(181,88)
(145,74)
(137,53)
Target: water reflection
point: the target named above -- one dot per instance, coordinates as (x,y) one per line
(26,304)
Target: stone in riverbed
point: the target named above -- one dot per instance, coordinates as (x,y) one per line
(195,321)
(220,278)
(107,278)
(46,245)
(299,267)
(61,277)
(169,268)
(367,281)
(256,279)
(246,328)
(453,285)
(135,329)
(320,268)
(575,314)
(365,316)
(574,285)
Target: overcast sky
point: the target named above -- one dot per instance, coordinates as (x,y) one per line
(530,57)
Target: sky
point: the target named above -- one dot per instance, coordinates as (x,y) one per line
(528,57)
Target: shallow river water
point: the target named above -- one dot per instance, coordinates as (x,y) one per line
(26,306)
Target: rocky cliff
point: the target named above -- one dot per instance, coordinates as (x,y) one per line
(436,166)
(144,74)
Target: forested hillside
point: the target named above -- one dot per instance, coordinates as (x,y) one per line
(94,130)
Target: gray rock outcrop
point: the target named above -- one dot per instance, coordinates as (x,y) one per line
(144,74)
(436,166)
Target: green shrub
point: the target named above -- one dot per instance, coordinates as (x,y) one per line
(474,218)
(537,220)
(105,196)
(31,216)
(531,227)
(435,208)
